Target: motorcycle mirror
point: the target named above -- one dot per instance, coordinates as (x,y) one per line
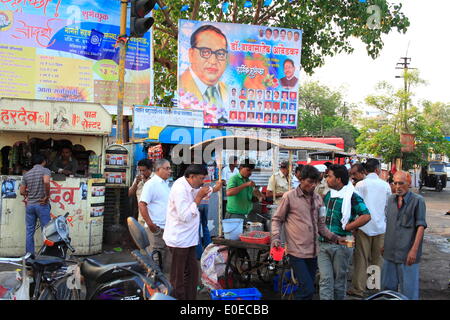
(66,215)
(138,233)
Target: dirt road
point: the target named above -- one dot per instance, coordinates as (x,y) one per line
(435,265)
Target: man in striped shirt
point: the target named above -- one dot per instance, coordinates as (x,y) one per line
(35,188)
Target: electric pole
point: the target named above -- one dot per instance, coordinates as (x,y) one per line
(403,65)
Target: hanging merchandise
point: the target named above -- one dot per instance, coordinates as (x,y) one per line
(155,152)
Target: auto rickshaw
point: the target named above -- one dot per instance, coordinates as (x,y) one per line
(433,175)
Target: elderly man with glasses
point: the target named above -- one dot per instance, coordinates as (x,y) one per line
(153,208)
(208,57)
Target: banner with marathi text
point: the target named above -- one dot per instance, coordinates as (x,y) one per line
(239,75)
(65,50)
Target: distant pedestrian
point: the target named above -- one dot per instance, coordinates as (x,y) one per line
(204,233)
(35,188)
(231,169)
(181,234)
(405,227)
(145,167)
(370,237)
(357,173)
(322,188)
(279,183)
(345,213)
(297,176)
(153,209)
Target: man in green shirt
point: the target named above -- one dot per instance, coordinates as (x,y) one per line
(345,212)
(241,192)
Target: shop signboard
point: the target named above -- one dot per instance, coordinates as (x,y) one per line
(53,116)
(150,119)
(67,51)
(239,75)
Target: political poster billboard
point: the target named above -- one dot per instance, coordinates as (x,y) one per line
(67,51)
(239,75)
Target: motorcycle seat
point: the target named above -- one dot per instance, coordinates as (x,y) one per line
(94,270)
(45,261)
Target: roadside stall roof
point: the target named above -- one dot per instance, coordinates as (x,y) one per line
(294,144)
(263,144)
(236,143)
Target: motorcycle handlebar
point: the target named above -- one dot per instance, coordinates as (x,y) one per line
(151,267)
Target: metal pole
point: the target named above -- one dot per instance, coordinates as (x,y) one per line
(219,164)
(274,167)
(123,49)
(290,170)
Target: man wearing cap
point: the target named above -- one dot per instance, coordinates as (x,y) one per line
(322,188)
(279,183)
(241,192)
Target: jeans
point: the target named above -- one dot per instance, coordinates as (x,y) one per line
(401,278)
(305,273)
(32,213)
(333,261)
(204,234)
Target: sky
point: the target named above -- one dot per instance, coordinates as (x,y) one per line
(426,42)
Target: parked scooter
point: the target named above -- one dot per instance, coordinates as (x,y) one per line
(91,280)
(40,272)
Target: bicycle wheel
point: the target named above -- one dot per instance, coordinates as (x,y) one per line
(237,270)
(59,291)
(265,274)
(288,284)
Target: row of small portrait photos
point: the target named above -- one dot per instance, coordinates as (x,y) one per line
(252,105)
(276,34)
(261,117)
(252,94)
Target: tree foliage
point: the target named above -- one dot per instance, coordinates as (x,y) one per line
(328,26)
(323,112)
(381,136)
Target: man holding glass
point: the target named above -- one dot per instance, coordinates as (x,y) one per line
(208,57)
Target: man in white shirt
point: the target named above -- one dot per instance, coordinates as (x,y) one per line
(231,169)
(153,209)
(370,237)
(181,234)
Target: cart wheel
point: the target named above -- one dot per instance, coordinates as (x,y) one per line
(238,269)
(288,284)
(266,271)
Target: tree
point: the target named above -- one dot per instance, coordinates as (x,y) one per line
(437,112)
(381,136)
(322,112)
(328,27)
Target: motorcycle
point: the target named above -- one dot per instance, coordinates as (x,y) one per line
(40,272)
(137,280)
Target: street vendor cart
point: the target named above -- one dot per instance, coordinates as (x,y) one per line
(31,126)
(248,258)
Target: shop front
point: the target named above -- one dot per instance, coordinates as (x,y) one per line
(57,130)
